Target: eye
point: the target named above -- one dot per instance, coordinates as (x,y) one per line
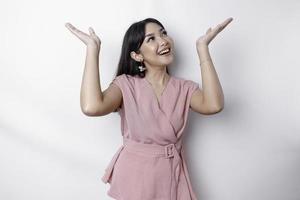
(164,33)
(150,38)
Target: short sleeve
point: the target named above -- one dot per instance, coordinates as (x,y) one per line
(192,87)
(118,81)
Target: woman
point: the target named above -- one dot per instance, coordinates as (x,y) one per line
(153,106)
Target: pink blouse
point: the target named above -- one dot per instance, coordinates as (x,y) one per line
(150,164)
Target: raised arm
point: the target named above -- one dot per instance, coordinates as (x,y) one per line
(210,100)
(94,101)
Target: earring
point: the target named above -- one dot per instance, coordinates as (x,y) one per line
(141,67)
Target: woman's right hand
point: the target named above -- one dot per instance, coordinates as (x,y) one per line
(91,40)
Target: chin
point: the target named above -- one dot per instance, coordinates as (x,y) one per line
(166,63)
(170,61)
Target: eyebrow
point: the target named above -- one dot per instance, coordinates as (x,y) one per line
(161,29)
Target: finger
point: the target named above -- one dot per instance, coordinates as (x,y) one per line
(208,30)
(221,26)
(70,26)
(91,30)
(75,31)
(226,22)
(213,32)
(217,29)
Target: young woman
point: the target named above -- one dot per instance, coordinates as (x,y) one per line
(153,105)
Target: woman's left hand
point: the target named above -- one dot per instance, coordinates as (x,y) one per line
(211,33)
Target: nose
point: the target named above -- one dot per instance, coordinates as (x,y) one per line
(163,42)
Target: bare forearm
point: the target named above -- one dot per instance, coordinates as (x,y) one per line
(213,93)
(91,93)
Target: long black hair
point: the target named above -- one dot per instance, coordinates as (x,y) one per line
(132,41)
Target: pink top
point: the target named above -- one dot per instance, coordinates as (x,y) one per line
(150,165)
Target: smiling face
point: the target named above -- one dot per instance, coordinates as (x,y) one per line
(156,40)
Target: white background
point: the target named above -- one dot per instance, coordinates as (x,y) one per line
(50,150)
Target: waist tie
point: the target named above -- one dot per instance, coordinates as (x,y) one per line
(170,151)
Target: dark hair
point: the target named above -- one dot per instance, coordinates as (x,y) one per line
(132,41)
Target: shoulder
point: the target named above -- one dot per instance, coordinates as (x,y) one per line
(184,83)
(122,77)
(124,80)
(125,77)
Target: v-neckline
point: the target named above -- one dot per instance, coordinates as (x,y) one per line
(158,100)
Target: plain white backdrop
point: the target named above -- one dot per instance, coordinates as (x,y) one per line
(50,150)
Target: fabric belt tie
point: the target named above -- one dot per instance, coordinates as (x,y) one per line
(170,151)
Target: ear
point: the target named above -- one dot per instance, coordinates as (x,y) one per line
(136,57)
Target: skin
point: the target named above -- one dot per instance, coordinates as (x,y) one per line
(156,64)
(210,99)
(95,102)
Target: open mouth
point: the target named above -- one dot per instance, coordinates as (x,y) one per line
(165,52)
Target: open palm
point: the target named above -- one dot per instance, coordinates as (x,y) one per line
(211,33)
(91,40)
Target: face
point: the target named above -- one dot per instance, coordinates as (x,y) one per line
(156,40)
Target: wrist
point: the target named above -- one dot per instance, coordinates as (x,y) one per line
(93,49)
(204,61)
(202,49)
(202,46)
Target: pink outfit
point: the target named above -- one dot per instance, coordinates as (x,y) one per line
(150,165)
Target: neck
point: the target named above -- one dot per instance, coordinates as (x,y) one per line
(157,76)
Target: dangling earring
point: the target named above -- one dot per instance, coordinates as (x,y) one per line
(141,67)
